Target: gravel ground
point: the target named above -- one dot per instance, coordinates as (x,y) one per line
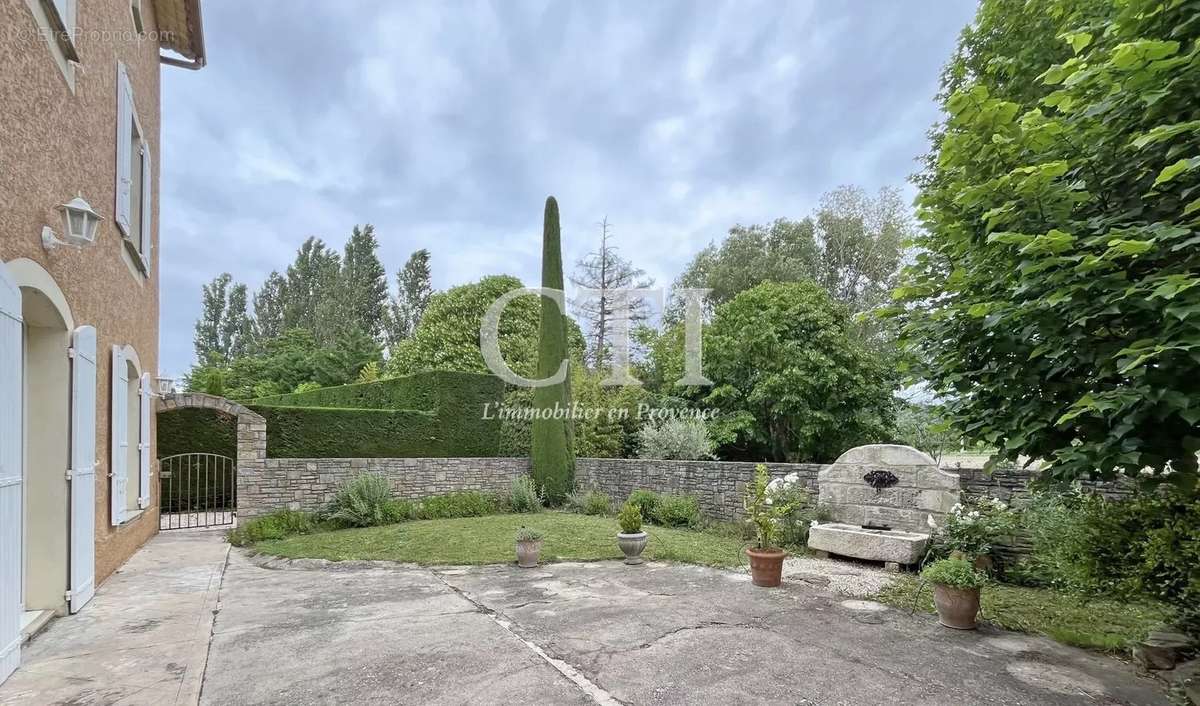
(845,578)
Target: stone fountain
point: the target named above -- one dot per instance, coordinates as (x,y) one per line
(880,498)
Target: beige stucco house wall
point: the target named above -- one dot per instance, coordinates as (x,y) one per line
(58,139)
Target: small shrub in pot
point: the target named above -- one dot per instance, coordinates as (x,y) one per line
(529,547)
(767,503)
(956,583)
(631,539)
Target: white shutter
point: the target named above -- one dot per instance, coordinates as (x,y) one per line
(124,149)
(144,444)
(83,467)
(147,244)
(117,471)
(11,410)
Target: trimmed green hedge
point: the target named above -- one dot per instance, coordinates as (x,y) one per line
(196,430)
(319,432)
(432,414)
(434,390)
(455,399)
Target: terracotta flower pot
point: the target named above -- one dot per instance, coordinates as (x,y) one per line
(527,554)
(957,607)
(632,545)
(766,566)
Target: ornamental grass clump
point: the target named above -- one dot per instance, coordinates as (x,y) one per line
(363,501)
(591,502)
(523,496)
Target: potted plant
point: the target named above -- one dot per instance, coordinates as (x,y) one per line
(529,547)
(631,539)
(766,505)
(956,584)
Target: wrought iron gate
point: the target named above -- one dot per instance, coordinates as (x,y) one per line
(197,490)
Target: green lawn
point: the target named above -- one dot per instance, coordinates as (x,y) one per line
(1104,625)
(489,540)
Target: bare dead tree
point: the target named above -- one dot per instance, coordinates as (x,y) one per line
(605,270)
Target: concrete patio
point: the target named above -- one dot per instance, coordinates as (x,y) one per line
(143,639)
(311,632)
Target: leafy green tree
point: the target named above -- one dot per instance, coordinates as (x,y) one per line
(364,283)
(447,337)
(343,361)
(784,251)
(792,381)
(414,287)
(311,297)
(269,302)
(283,363)
(852,246)
(1053,302)
(237,329)
(224,330)
(553,453)
(207,339)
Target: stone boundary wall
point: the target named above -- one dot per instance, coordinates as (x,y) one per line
(1012,484)
(719,485)
(310,483)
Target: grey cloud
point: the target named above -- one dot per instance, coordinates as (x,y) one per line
(446,125)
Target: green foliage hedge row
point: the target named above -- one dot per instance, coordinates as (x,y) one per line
(454,424)
(431,414)
(434,390)
(196,430)
(320,432)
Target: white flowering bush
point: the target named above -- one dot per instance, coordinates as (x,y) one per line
(778,509)
(973,527)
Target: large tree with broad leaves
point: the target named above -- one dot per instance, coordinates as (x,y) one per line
(1054,298)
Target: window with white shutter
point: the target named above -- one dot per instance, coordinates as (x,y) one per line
(144,443)
(147,218)
(134,213)
(124,150)
(83,467)
(117,472)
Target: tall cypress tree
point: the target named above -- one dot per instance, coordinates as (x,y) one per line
(553,455)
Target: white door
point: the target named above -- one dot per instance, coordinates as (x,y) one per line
(11,408)
(83,467)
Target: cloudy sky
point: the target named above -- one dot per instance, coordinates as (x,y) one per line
(447,124)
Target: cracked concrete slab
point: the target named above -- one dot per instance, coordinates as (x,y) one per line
(671,634)
(143,638)
(318,635)
(316,632)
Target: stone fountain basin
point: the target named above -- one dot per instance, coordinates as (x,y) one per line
(873,544)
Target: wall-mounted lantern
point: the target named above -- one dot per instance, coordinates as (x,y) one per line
(79,225)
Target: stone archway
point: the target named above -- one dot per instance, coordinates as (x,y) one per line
(196,470)
(251,427)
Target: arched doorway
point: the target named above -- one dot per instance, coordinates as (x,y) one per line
(47,455)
